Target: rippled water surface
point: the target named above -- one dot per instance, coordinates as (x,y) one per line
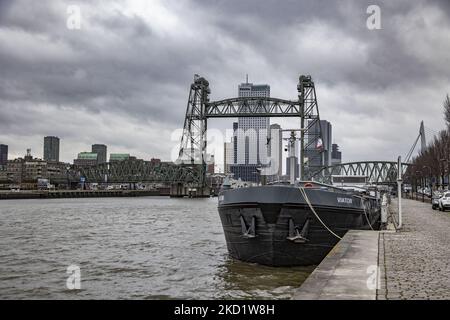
(128,248)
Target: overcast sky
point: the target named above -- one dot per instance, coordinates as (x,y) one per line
(123,78)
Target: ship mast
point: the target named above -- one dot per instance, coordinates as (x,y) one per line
(292,161)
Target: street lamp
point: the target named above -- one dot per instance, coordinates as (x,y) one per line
(444,171)
(68,180)
(421,177)
(429,178)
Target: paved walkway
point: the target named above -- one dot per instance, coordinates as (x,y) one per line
(415,262)
(347,272)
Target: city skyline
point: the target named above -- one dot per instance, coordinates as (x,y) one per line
(134,107)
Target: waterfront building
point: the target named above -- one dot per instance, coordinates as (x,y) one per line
(3,156)
(116,157)
(155,161)
(51,148)
(251,138)
(4,178)
(101,151)
(25,172)
(85,159)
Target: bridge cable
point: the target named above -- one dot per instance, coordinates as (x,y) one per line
(408,156)
(308,202)
(431,130)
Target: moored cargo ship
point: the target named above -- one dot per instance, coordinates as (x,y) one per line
(293,224)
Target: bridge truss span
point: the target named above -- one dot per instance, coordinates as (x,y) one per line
(252,107)
(133,171)
(377,172)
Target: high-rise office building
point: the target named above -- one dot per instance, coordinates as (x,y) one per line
(3,154)
(336,155)
(235,127)
(101,151)
(228,155)
(324,159)
(51,149)
(210,164)
(296,167)
(251,138)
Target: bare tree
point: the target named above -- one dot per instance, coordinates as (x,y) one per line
(447,111)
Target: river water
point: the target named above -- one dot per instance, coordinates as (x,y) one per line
(128,248)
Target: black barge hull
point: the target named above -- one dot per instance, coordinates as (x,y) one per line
(274,226)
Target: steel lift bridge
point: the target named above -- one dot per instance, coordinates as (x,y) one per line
(199,109)
(189,171)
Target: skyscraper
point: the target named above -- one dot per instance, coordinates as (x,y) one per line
(228,155)
(51,148)
(251,137)
(296,167)
(314,161)
(100,150)
(3,154)
(336,155)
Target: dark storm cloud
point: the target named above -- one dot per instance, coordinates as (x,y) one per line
(264,24)
(124,77)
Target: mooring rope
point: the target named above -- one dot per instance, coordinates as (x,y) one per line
(367,218)
(305,196)
(365,213)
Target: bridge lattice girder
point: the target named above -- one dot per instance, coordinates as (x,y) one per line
(132,171)
(377,172)
(252,107)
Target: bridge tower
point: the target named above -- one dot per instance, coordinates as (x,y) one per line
(423,141)
(311,143)
(193,141)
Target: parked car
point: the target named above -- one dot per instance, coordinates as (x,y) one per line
(444,201)
(435,200)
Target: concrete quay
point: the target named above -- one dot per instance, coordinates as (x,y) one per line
(345,271)
(411,263)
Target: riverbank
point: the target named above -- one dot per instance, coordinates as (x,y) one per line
(51,194)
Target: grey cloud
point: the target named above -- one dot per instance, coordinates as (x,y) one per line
(120,68)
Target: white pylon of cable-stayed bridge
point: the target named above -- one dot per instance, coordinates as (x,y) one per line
(423,141)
